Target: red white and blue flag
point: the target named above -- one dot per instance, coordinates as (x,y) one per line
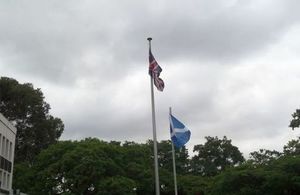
(154,72)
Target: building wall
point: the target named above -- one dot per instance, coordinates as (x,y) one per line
(7,150)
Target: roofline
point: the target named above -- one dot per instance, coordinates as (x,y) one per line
(6,123)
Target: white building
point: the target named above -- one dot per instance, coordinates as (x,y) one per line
(7,149)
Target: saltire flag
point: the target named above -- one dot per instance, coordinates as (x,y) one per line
(154,72)
(180,135)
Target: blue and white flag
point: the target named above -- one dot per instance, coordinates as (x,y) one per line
(180,135)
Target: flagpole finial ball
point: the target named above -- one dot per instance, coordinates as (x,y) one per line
(149,38)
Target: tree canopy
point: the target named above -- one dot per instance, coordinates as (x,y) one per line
(92,166)
(277,178)
(89,166)
(25,107)
(263,156)
(295,122)
(214,156)
(292,147)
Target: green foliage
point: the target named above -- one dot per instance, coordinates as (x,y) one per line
(292,147)
(295,122)
(242,180)
(192,184)
(92,167)
(22,175)
(166,164)
(25,107)
(214,156)
(138,166)
(278,177)
(263,156)
(117,185)
(166,160)
(89,166)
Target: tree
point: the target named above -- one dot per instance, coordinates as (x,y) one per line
(277,178)
(263,156)
(137,163)
(165,161)
(192,184)
(22,176)
(295,122)
(117,185)
(240,180)
(25,107)
(165,157)
(91,167)
(292,147)
(214,156)
(75,167)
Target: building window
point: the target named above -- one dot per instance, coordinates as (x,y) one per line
(10,151)
(8,180)
(1,179)
(6,149)
(3,146)
(0,142)
(4,180)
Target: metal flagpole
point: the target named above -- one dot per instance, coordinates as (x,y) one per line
(154,132)
(174,164)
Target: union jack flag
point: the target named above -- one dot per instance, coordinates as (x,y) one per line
(154,72)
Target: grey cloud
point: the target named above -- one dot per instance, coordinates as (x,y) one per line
(54,39)
(90,59)
(229,34)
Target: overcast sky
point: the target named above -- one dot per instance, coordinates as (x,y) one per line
(230,67)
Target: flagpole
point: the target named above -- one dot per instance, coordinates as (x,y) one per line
(174,164)
(154,132)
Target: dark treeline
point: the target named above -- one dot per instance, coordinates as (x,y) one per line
(92,166)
